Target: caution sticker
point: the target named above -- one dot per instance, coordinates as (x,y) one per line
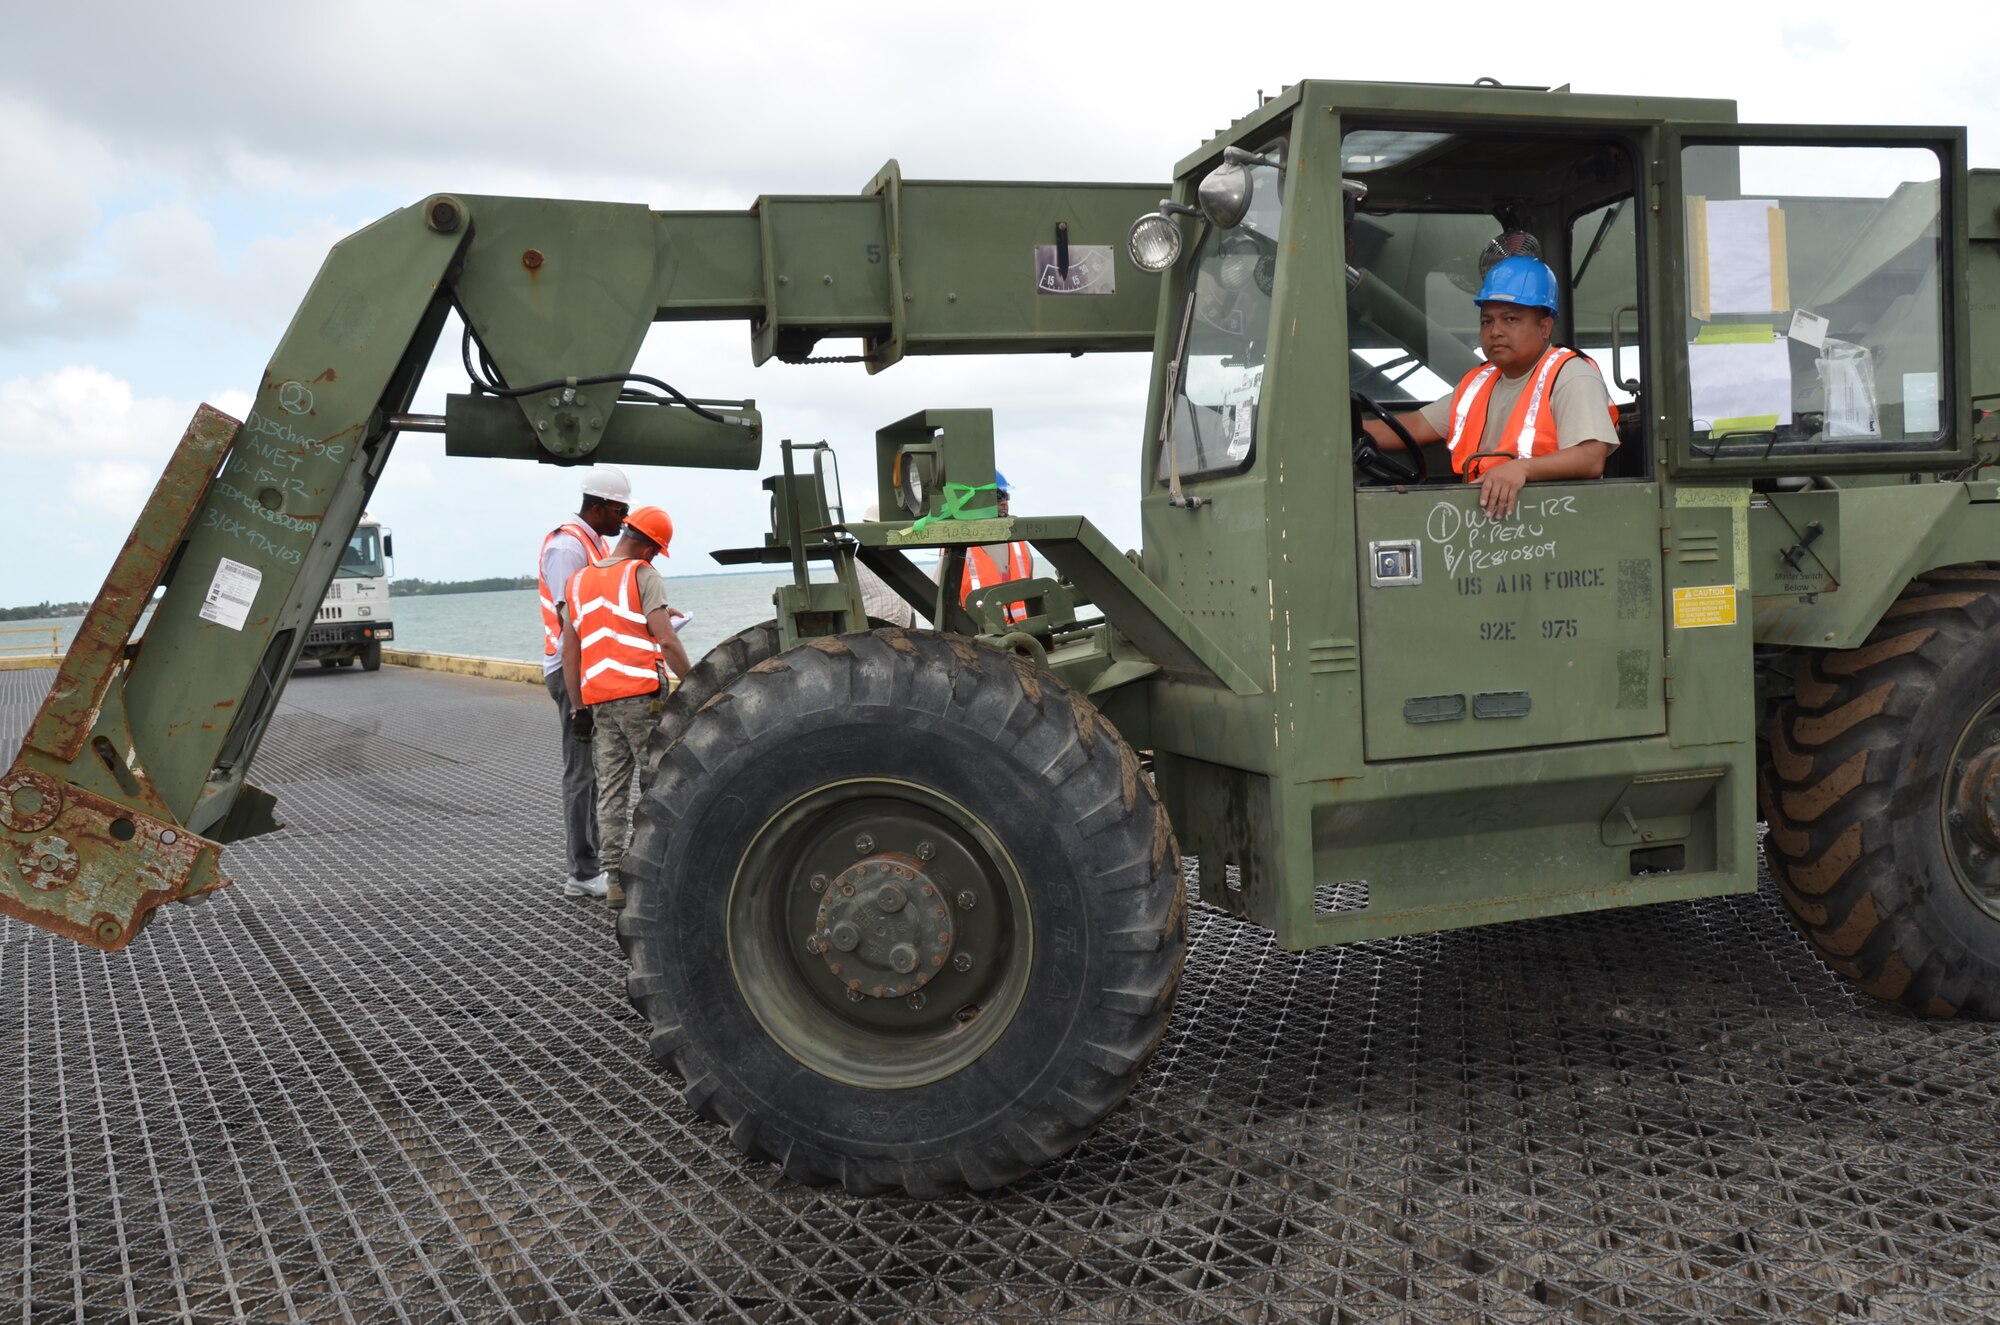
(1704,605)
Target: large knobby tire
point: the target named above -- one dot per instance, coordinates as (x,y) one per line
(708,678)
(1888,869)
(903,912)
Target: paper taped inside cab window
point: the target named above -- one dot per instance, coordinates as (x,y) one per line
(1738,257)
(1740,378)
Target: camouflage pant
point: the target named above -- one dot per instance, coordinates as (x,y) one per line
(622,728)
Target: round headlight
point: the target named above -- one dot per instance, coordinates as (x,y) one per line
(1155,242)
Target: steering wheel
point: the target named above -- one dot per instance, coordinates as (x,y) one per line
(1407,466)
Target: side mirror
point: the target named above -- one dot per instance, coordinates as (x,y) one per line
(1226,191)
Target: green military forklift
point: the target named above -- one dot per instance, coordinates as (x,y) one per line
(907,907)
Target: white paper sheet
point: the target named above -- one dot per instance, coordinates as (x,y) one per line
(1809,328)
(1740,278)
(1920,404)
(1740,380)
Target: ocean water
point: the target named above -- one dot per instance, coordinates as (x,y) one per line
(507,624)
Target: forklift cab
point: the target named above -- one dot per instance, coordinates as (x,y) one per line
(1716,275)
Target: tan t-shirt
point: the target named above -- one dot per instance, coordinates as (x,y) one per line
(1578,400)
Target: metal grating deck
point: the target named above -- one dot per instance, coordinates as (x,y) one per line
(392,1076)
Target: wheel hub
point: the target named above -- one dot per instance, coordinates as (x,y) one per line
(1976,807)
(884,929)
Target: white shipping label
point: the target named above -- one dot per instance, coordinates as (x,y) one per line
(1920,404)
(1809,329)
(1243,428)
(231,593)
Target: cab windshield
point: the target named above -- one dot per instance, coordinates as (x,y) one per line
(1224,338)
(362,557)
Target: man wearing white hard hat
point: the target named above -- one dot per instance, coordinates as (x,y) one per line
(567,549)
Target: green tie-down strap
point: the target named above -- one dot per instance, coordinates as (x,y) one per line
(956,495)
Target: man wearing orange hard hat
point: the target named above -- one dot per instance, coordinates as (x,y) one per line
(618,633)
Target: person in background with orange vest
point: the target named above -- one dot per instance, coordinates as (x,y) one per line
(567,549)
(617,634)
(1531,413)
(993,563)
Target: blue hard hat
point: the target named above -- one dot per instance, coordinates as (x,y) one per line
(1519,280)
(1000,482)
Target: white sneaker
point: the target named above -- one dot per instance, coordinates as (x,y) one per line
(593,887)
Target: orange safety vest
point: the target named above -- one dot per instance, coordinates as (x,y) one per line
(594,549)
(981,572)
(620,655)
(1531,428)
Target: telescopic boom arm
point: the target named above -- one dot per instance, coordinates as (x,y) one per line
(133,773)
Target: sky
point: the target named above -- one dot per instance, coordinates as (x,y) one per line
(175,174)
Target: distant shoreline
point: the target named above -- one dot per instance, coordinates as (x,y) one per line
(42,611)
(414,588)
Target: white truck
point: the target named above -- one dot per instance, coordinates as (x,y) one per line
(353,619)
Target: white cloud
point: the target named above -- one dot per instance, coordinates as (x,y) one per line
(112,489)
(81,410)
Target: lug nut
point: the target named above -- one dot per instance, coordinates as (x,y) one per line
(812,943)
(819,882)
(853,994)
(865,843)
(962,962)
(925,851)
(917,1001)
(966,901)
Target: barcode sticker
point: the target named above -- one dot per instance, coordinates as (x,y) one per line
(231,593)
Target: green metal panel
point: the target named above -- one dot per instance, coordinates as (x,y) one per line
(1706,570)
(556,290)
(1524,108)
(1886,536)
(969,275)
(1982,283)
(1490,837)
(1794,547)
(1545,628)
(283,507)
(912,267)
